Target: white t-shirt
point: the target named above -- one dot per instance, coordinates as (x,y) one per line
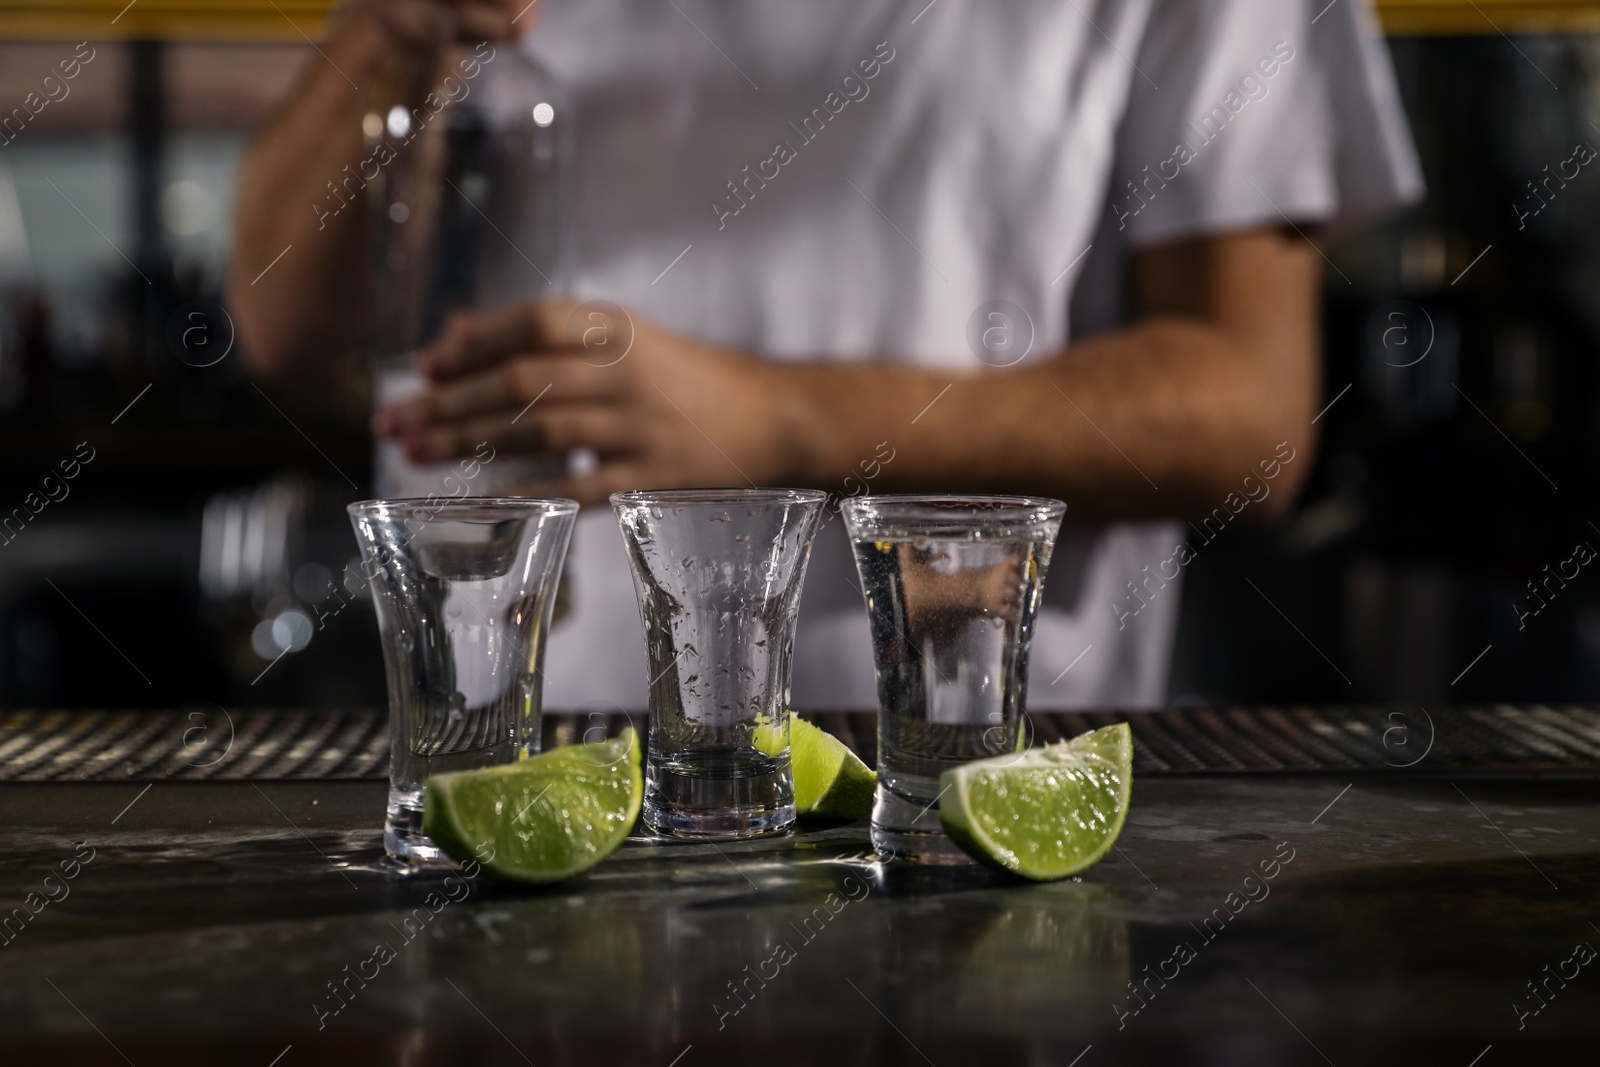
(907,163)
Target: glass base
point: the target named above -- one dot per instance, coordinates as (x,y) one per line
(403,838)
(909,829)
(713,796)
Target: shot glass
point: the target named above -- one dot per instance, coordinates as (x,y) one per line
(952,587)
(718,573)
(463,592)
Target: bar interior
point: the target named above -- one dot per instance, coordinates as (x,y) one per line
(879,532)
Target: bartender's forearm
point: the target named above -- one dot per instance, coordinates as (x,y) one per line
(1160,419)
(293,311)
(1165,417)
(297,267)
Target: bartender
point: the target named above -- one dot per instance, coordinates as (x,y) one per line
(1058,249)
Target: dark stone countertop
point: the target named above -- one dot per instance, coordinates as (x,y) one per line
(1405,928)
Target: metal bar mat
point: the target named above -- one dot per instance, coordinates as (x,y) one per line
(271,743)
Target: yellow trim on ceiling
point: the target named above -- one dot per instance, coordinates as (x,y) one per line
(1412,17)
(300,20)
(293,21)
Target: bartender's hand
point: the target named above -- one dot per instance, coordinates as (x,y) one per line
(542,377)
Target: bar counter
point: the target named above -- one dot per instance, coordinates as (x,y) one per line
(1293,886)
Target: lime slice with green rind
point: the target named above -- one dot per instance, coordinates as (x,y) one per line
(830,781)
(541,819)
(1045,813)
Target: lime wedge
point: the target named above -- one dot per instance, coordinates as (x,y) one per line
(769,737)
(540,819)
(1045,813)
(830,781)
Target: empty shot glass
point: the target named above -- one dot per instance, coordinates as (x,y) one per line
(718,573)
(952,587)
(463,592)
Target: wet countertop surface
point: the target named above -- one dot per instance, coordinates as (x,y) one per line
(1276,919)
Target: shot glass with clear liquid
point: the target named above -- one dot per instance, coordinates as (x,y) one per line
(463,592)
(718,573)
(952,587)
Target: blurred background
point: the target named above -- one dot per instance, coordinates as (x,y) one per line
(170,533)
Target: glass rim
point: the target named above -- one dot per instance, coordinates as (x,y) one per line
(462,508)
(715,498)
(948,507)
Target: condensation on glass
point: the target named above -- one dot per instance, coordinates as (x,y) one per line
(718,575)
(464,594)
(952,587)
